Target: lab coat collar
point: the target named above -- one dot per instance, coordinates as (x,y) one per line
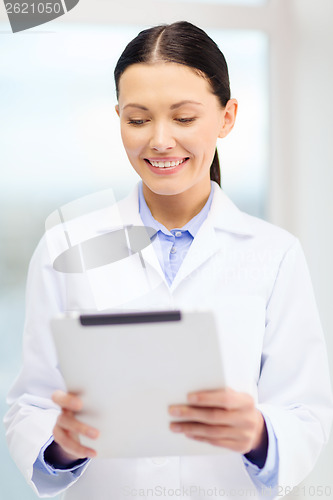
(226,216)
(223,214)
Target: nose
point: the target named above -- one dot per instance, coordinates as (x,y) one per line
(162,138)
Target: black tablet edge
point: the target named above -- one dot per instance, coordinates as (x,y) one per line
(129,318)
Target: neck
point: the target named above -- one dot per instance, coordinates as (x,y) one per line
(174,211)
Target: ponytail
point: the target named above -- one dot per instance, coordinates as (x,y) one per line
(215,173)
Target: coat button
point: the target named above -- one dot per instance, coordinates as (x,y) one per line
(159,460)
(173,250)
(178,234)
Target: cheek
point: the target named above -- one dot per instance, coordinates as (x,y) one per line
(132,140)
(210,132)
(203,141)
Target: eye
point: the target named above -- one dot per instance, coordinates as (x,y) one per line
(185,120)
(136,122)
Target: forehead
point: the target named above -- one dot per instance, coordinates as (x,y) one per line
(163,81)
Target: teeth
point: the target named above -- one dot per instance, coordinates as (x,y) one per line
(166,164)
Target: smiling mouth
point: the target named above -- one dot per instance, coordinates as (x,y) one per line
(165,164)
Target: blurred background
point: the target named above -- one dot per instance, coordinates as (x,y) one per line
(59,140)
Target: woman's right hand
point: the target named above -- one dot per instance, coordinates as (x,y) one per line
(67,430)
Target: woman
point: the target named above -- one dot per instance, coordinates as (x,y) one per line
(273,419)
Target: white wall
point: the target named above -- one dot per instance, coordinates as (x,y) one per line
(302,180)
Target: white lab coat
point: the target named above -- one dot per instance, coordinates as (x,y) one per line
(235,263)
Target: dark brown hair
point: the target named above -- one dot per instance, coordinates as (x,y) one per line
(186,44)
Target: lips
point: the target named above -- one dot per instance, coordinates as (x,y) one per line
(165,162)
(166,166)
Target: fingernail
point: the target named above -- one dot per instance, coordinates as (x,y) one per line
(92,433)
(176,428)
(91,454)
(192,398)
(75,405)
(176,412)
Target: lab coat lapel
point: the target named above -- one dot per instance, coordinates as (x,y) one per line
(223,217)
(129,212)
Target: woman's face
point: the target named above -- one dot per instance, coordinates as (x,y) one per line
(170,122)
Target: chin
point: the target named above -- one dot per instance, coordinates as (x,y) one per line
(164,188)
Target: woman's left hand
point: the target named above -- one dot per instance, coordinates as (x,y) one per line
(223,418)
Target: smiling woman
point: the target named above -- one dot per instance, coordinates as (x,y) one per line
(268,424)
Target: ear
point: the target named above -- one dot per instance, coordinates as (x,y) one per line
(117,109)
(229,117)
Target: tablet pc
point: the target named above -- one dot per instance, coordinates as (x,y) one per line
(129,367)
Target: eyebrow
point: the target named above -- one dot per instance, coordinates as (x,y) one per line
(174,106)
(178,104)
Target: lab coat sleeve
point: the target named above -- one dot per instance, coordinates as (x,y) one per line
(32,414)
(294,389)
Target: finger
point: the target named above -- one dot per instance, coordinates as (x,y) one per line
(67,400)
(225,438)
(199,438)
(68,422)
(222,398)
(230,444)
(70,445)
(242,440)
(202,430)
(207,415)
